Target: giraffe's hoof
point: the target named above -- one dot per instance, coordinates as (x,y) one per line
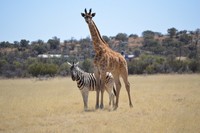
(101,106)
(86,109)
(97,107)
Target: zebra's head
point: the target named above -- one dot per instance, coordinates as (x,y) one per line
(74,70)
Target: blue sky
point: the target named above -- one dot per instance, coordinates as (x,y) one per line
(44,19)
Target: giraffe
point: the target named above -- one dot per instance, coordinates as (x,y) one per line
(106,60)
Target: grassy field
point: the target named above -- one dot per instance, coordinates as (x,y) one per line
(162,104)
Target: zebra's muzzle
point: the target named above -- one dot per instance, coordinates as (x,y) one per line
(73,78)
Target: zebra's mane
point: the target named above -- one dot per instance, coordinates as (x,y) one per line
(81,71)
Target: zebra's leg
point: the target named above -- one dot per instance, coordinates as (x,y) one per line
(109,88)
(97,76)
(118,88)
(110,96)
(85,99)
(114,94)
(110,100)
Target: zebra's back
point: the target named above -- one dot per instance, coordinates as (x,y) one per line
(89,81)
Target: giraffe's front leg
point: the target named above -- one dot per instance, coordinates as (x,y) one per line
(97,76)
(97,99)
(101,105)
(103,81)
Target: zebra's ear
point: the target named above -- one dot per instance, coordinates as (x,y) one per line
(77,64)
(69,63)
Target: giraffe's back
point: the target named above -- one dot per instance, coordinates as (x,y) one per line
(111,61)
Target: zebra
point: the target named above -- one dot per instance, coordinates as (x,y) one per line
(87,82)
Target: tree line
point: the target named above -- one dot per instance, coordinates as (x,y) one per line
(175,52)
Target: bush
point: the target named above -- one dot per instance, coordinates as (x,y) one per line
(64,69)
(87,65)
(37,69)
(194,65)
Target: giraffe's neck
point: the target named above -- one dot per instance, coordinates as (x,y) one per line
(98,41)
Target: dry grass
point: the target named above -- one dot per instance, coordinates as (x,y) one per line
(162,104)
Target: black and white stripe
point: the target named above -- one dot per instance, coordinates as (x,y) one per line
(87,82)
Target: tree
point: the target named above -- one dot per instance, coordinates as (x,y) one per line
(5,44)
(39,46)
(133,36)
(54,43)
(122,37)
(148,34)
(85,43)
(16,44)
(87,65)
(150,43)
(40,42)
(195,41)
(184,37)
(158,34)
(172,32)
(106,39)
(39,49)
(24,43)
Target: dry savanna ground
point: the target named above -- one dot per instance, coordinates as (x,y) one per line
(162,104)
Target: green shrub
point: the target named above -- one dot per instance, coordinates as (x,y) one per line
(38,68)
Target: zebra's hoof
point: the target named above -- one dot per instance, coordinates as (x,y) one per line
(115,108)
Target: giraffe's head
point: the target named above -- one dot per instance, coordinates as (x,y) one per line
(88,16)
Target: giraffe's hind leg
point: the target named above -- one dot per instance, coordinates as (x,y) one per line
(124,75)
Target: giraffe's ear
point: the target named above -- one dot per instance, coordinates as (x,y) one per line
(82,14)
(93,14)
